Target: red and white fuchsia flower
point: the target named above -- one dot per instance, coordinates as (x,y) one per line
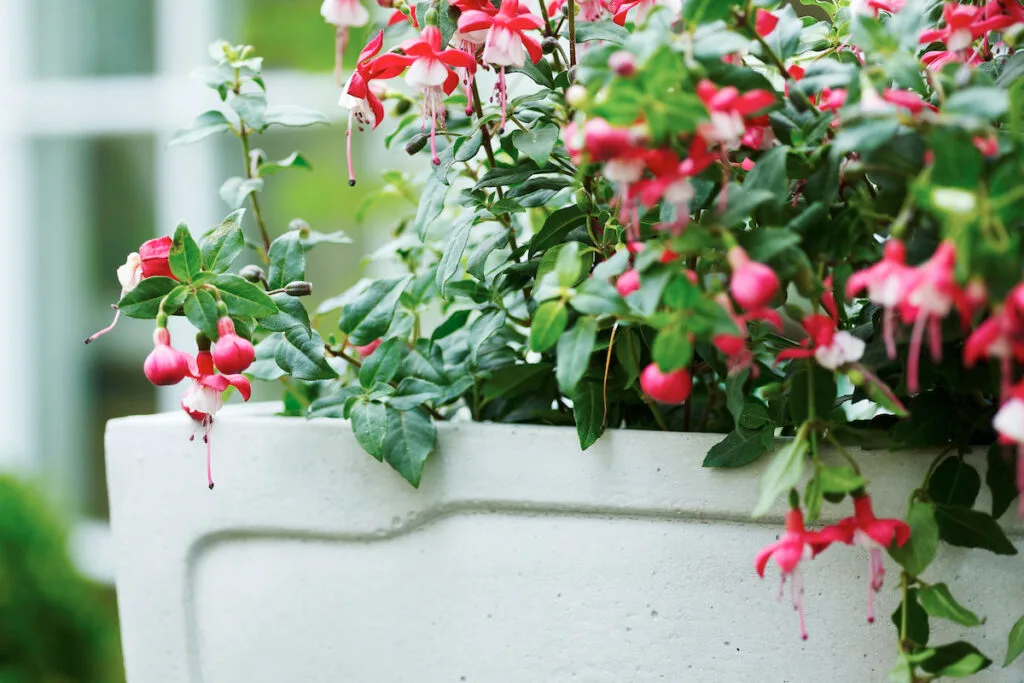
(506,43)
(149,261)
(831,348)
(344,14)
(730,112)
(887,283)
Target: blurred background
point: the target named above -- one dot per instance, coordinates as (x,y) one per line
(90,93)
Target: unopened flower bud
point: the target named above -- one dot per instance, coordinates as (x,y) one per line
(298,288)
(253,273)
(416,144)
(672,388)
(622,63)
(165,365)
(430,18)
(386,4)
(549,44)
(584,201)
(753,284)
(576,96)
(628,282)
(402,106)
(231,354)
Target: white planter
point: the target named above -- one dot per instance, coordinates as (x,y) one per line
(519,560)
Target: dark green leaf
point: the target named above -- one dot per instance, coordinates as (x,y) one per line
(672,348)
(770,174)
(383,363)
(201,311)
(1001,478)
(800,394)
(290,313)
(222,245)
(559,224)
(409,441)
(972,529)
(956,660)
(242,297)
(265,367)
(548,324)
(954,482)
(185,257)
(839,480)
(454,246)
(287,260)
(741,447)
(303,356)
(144,301)
(919,551)
(369,315)
(370,426)
(918,630)
(588,411)
(536,143)
(413,391)
(980,101)
(939,602)
(574,350)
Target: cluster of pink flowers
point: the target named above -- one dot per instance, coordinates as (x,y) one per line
(862,529)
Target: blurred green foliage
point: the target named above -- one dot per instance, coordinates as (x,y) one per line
(54,625)
(291,35)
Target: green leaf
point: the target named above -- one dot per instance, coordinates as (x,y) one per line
(918,630)
(770,174)
(574,350)
(290,313)
(548,324)
(454,246)
(383,363)
(672,348)
(175,299)
(292,115)
(144,301)
(287,260)
(1016,642)
(303,356)
(206,124)
(265,367)
(222,245)
(783,473)
(865,136)
(741,447)
(185,257)
(413,391)
(955,660)
(430,206)
(559,224)
(980,101)
(369,315)
(242,297)
(601,30)
(236,190)
(972,529)
(705,11)
(800,394)
(919,551)
(536,143)
(251,107)
(370,426)
(588,411)
(840,480)
(939,602)
(569,265)
(1001,478)
(954,482)
(409,442)
(201,311)
(293,160)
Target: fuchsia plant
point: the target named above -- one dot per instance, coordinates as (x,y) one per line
(716,215)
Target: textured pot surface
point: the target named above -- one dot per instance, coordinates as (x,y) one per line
(519,560)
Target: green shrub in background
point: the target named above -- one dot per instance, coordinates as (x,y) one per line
(54,625)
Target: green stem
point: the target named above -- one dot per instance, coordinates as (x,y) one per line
(572,32)
(243,135)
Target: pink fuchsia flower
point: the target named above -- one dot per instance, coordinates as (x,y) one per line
(430,70)
(871,8)
(887,284)
(874,535)
(764,22)
(907,99)
(671,183)
(165,365)
(729,111)
(831,348)
(666,387)
(231,354)
(963,25)
(205,397)
(830,100)
(363,104)
(752,284)
(507,43)
(366,350)
(1001,338)
(796,545)
(625,160)
(150,260)
(628,282)
(932,294)
(622,63)
(343,14)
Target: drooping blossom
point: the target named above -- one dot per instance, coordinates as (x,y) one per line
(471,42)
(830,100)
(795,545)
(672,388)
(671,184)
(752,284)
(1000,337)
(151,260)
(963,25)
(932,293)
(874,535)
(205,397)
(232,354)
(363,104)
(165,365)
(1009,425)
(764,22)
(344,14)
(887,284)
(507,43)
(907,99)
(430,70)
(831,348)
(730,112)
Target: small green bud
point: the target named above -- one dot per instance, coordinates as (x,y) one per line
(430,19)
(416,144)
(584,201)
(402,106)
(253,273)
(298,288)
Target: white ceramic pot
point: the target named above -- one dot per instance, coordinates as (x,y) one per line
(519,560)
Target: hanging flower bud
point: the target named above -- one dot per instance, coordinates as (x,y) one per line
(154,255)
(753,284)
(622,63)
(165,365)
(628,282)
(672,387)
(231,354)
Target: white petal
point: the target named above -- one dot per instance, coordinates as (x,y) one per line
(200,399)
(504,48)
(130,274)
(845,348)
(426,73)
(344,13)
(1009,421)
(624,170)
